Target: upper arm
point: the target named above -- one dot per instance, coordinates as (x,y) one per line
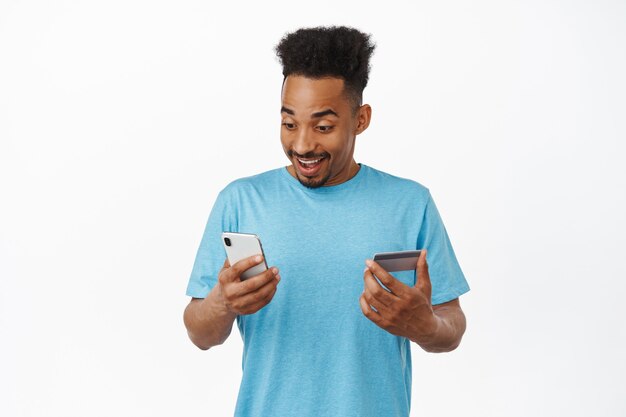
(446,276)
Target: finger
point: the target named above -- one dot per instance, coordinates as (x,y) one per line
(379,307)
(422,279)
(224,276)
(366,308)
(265,301)
(259,297)
(376,290)
(226,264)
(386,278)
(371,314)
(240,267)
(254,283)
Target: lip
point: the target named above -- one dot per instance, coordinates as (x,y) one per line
(309,171)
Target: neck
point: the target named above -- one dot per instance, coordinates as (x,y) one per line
(350,173)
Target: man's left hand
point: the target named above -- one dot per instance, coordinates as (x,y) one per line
(403,310)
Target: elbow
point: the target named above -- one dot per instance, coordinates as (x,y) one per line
(203,334)
(451,338)
(200,340)
(442,349)
(447,344)
(204,342)
(202,345)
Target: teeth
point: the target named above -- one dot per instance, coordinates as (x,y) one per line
(303,162)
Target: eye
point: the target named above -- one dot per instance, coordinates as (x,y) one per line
(289,126)
(324,129)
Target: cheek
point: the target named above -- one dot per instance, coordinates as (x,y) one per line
(341,147)
(284,141)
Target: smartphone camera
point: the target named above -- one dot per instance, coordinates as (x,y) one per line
(227,241)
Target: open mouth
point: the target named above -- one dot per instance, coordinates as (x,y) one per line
(309,167)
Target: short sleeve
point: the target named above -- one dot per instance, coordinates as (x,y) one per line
(211,254)
(448,281)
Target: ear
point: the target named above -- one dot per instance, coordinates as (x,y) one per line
(363,117)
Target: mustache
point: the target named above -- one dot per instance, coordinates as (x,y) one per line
(308,155)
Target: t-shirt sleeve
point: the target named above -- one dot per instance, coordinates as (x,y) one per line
(211,254)
(446,276)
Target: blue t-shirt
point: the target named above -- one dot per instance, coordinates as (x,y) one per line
(311,351)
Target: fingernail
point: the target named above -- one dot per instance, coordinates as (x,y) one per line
(368,262)
(258,258)
(366,269)
(275,270)
(277,277)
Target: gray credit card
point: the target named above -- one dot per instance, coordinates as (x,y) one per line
(405,260)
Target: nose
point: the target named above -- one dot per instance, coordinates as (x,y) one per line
(304,142)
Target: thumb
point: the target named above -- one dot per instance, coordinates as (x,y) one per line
(422,280)
(224,277)
(225,266)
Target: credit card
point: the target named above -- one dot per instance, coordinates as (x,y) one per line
(405,260)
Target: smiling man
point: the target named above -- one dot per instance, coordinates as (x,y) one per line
(319,108)
(323,336)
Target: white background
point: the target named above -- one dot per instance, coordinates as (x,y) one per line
(121,120)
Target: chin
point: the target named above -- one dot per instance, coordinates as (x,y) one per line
(313,182)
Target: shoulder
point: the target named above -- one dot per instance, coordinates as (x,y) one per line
(250,183)
(397,185)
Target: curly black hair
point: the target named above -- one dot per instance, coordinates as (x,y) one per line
(335,51)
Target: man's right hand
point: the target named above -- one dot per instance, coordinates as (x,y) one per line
(209,320)
(251,295)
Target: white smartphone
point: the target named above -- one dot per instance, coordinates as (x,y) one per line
(405,260)
(239,246)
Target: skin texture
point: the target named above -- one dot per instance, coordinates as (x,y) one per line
(318,120)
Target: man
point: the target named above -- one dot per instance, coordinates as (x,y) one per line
(322,336)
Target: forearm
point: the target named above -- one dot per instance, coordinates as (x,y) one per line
(208,321)
(449,329)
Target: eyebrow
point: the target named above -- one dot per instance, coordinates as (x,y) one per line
(324,113)
(316,115)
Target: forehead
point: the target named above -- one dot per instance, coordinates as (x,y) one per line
(303,94)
